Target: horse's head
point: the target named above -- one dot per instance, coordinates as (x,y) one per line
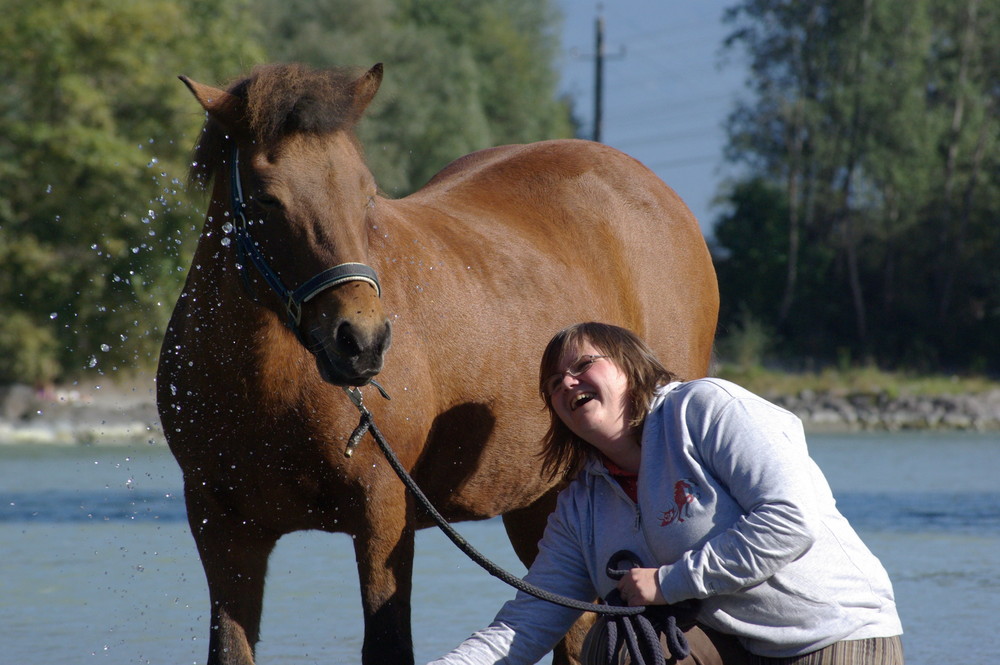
(299,198)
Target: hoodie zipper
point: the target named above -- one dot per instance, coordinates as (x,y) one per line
(637,524)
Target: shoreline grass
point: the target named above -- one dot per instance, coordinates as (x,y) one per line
(852,381)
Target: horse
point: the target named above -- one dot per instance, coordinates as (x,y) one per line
(305,274)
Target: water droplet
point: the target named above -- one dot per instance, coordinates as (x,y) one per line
(105,348)
(54,315)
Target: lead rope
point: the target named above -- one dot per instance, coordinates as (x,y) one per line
(640,633)
(367,424)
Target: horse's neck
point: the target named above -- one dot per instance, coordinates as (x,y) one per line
(249,344)
(398,225)
(231,311)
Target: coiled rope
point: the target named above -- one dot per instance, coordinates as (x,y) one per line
(640,633)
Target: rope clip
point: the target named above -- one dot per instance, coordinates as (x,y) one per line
(358,399)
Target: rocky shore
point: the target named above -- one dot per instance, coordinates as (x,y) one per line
(79,414)
(126,413)
(826,412)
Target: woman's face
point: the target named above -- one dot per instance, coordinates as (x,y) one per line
(593,404)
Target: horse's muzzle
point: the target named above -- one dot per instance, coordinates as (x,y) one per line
(351,356)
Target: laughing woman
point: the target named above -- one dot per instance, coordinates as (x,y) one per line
(713,488)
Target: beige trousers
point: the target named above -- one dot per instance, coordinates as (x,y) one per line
(873,651)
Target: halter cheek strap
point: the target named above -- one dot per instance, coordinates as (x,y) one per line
(247,249)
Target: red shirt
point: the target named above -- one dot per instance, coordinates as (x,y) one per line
(628,480)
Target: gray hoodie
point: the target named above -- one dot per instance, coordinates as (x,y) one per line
(733,511)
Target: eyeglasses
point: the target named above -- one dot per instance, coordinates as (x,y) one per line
(581,365)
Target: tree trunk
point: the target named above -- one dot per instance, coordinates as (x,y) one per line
(796,138)
(851,234)
(953,225)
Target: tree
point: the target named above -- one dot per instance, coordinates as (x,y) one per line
(877,119)
(460,75)
(94,225)
(750,251)
(967,127)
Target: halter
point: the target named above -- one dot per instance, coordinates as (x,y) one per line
(246,248)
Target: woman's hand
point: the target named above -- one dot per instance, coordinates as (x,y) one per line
(641,586)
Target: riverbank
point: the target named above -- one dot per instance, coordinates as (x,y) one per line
(81,413)
(865,412)
(126,413)
(864,398)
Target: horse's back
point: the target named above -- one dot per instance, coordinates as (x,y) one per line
(599,218)
(543,161)
(562,188)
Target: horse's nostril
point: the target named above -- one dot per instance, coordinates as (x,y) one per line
(347,340)
(385,338)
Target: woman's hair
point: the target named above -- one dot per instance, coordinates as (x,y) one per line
(562,451)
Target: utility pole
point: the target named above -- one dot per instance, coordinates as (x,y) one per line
(598,76)
(599,57)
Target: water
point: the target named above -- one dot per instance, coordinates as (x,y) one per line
(99,564)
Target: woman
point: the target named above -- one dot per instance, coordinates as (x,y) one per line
(712,487)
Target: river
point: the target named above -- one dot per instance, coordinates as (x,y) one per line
(99,565)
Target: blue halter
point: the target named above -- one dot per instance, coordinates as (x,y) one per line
(247,248)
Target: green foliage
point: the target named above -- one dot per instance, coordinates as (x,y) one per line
(93,227)
(96,228)
(874,124)
(31,351)
(460,75)
(746,343)
(751,249)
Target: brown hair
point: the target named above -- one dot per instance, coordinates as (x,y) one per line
(562,451)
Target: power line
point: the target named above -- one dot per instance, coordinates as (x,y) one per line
(684,161)
(669,107)
(645,32)
(684,78)
(681,135)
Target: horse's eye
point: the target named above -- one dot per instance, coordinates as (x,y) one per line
(268,201)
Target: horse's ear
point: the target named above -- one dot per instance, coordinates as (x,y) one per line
(224,107)
(365,89)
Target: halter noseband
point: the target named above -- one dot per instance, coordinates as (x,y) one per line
(247,248)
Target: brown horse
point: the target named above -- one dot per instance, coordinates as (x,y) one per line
(471,276)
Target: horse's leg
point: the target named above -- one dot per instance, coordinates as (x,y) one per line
(524,528)
(234,554)
(384,551)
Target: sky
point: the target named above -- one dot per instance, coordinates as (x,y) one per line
(668,87)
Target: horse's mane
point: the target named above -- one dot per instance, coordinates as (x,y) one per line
(279,99)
